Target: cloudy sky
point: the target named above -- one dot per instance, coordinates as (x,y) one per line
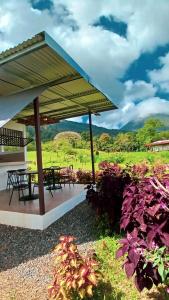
(122,44)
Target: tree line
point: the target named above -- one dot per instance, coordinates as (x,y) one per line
(129,141)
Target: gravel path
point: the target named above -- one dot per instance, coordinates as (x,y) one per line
(26,258)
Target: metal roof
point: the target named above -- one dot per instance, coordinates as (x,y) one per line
(67,90)
(158,143)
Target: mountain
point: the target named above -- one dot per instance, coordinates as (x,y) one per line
(134,125)
(48,132)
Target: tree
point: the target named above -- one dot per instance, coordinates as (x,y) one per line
(85,135)
(148,133)
(125,142)
(69,136)
(104,141)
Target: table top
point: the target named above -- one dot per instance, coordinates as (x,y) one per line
(27,172)
(54,168)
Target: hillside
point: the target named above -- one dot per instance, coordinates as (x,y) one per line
(48,132)
(136,124)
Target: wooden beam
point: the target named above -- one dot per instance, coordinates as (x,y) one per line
(92,148)
(39,157)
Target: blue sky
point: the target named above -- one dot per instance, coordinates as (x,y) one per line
(123,45)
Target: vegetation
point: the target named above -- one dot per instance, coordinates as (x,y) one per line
(145,215)
(137,196)
(122,142)
(48,132)
(116,285)
(80,158)
(75,277)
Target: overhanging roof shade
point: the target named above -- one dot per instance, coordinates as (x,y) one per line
(40,67)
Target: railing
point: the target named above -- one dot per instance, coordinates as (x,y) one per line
(10,137)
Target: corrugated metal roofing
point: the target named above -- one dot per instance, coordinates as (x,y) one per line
(157,143)
(41,62)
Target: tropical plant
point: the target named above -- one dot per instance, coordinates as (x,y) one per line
(108,197)
(84,176)
(145,218)
(75,276)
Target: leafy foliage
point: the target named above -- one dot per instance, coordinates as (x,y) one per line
(74,276)
(84,176)
(145,218)
(108,197)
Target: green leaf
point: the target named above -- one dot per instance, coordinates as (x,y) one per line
(161,271)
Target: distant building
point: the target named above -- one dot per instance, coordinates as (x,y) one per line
(158,146)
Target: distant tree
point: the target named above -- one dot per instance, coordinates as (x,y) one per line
(85,135)
(148,133)
(125,142)
(70,136)
(104,141)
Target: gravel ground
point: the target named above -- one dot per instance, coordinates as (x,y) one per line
(26,258)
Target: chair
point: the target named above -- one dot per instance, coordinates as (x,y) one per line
(57,179)
(47,180)
(18,184)
(9,172)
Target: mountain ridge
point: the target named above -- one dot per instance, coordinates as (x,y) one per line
(134,125)
(48,132)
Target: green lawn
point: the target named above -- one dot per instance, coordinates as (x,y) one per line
(80,158)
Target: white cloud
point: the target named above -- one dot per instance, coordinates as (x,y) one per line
(138,90)
(161,76)
(132,112)
(129,109)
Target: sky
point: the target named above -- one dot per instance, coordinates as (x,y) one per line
(122,44)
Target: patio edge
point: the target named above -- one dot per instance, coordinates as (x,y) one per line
(38,222)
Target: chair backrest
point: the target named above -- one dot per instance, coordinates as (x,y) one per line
(15,179)
(47,174)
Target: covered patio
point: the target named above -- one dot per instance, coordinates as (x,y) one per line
(42,84)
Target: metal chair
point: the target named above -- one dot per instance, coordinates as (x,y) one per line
(18,184)
(9,172)
(47,180)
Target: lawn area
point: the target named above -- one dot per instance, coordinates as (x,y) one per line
(80,158)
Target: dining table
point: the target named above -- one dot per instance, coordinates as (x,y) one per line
(29,174)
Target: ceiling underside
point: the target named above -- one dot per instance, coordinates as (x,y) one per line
(68,92)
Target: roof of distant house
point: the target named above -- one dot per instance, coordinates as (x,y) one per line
(158,143)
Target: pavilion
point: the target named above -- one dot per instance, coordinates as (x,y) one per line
(41,84)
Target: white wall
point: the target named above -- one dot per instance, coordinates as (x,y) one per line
(4,167)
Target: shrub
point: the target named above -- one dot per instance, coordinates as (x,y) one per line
(145,218)
(108,197)
(84,176)
(74,276)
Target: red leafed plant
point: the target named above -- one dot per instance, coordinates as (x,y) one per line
(74,276)
(145,218)
(83,176)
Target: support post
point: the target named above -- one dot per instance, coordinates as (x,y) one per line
(39,156)
(91,147)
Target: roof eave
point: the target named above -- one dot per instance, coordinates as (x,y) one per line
(37,45)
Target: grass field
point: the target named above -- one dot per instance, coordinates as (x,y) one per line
(80,158)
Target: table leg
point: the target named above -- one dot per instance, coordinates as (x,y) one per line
(30,186)
(30,196)
(53,171)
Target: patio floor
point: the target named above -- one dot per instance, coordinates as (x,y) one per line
(32,207)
